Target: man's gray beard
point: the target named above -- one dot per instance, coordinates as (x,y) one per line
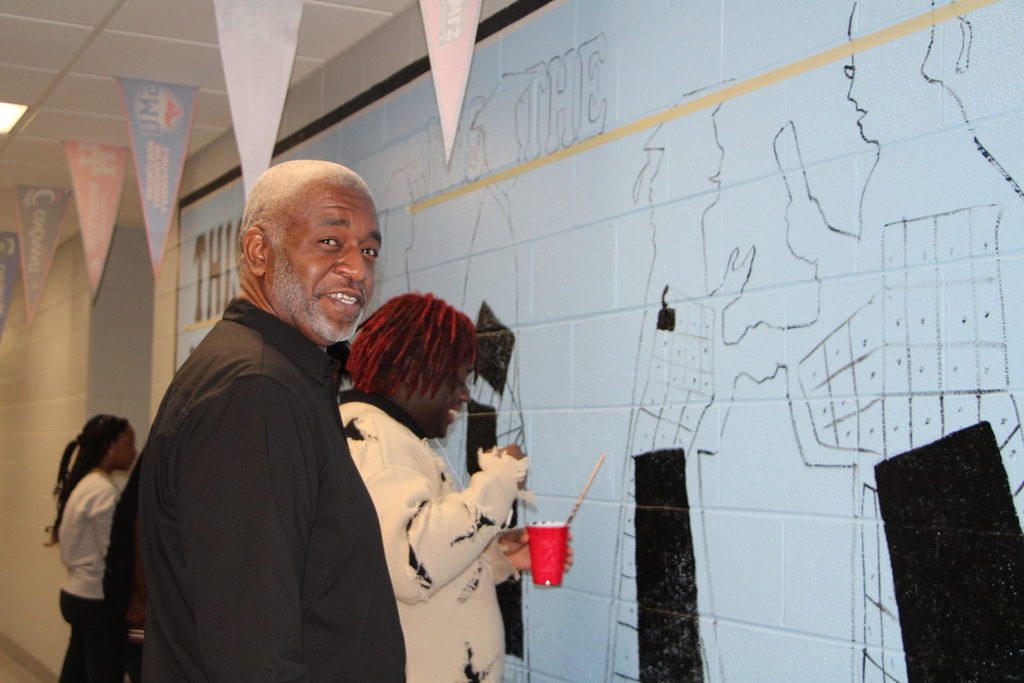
(288,290)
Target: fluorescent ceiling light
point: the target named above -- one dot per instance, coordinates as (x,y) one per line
(9,115)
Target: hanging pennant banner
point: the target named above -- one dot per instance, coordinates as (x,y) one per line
(160,123)
(451,35)
(97,176)
(8,271)
(257,48)
(41,212)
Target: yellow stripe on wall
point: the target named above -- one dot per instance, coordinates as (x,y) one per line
(845,51)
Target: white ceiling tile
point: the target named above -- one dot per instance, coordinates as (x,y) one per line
(23,85)
(58,125)
(74,12)
(183,19)
(154,59)
(329,30)
(25,42)
(36,150)
(100,95)
(89,94)
(174,41)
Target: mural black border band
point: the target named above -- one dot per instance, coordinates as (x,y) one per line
(487,28)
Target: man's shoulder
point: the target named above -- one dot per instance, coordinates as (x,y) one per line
(231,351)
(231,364)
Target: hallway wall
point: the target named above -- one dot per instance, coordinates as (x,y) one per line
(789,316)
(766,257)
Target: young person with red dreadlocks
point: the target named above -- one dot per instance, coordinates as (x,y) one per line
(446,548)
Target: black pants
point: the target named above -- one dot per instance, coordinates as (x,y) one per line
(87,658)
(133,661)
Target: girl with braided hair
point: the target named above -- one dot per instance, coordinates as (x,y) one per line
(86,498)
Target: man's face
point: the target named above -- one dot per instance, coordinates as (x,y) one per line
(435,414)
(320,279)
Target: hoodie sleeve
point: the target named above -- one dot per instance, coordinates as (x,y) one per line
(431,533)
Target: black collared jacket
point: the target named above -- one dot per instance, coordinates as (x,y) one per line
(261,545)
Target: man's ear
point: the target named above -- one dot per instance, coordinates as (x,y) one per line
(257,251)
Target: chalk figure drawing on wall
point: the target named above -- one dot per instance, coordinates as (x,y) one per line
(890,363)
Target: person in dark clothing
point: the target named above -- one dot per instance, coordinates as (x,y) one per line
(262,551)
(124,585)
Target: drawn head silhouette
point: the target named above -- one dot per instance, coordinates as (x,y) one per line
(888,89)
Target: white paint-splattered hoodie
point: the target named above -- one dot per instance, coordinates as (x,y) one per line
(440,543)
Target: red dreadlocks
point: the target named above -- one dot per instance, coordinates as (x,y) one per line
(413,337)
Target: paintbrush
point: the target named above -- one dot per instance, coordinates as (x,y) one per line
(589,482)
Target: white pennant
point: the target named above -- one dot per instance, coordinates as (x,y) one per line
(451,36)
(257,47)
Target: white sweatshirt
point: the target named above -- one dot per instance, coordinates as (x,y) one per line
(85,534)
(441,545)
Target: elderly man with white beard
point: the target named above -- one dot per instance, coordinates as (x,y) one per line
(261,546)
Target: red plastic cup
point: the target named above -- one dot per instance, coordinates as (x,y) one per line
(547,551)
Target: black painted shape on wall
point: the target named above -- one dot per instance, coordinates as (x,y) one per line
(666,583)
(494,348)
(482,433)
(957,557)
(666,316)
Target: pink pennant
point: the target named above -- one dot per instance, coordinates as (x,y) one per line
(97,176)
(450,26)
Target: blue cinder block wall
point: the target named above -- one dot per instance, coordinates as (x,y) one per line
(811,267)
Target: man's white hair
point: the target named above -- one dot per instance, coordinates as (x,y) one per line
(280,188)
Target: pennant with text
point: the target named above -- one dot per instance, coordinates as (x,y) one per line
(97,176)
(160,124)
(451,35)
(8,271)
(41,212)
(257,48)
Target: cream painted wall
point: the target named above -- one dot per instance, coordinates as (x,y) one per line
(43,396)
(76,359)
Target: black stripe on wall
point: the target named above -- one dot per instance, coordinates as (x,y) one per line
(957,557)
(666,581)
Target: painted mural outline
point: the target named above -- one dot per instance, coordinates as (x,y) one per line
(865,411)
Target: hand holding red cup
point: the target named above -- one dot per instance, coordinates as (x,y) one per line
(548,550)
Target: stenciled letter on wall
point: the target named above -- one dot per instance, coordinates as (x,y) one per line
(40,217)
(451,36)
(160,124)
(97,175)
